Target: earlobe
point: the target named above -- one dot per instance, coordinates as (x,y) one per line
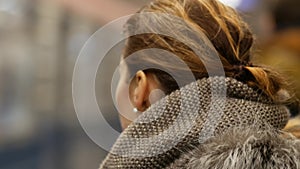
(140,91)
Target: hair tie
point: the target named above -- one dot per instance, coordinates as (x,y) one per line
(245,63)
(238,71)
(238,68)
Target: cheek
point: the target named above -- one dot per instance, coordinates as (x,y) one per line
(124,105)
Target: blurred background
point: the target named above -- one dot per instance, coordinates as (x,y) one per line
(40,41)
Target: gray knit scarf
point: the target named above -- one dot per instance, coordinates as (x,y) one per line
(188,117)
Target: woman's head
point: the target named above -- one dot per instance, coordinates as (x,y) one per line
(222,30)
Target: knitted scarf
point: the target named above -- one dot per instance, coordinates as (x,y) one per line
(188,117)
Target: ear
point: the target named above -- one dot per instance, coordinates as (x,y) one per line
(140,90)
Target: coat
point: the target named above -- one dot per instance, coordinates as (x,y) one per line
(188,118)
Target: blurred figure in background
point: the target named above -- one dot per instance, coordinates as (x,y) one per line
(39,44)
(282,50)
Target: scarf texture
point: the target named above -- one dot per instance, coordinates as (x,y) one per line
(188,117)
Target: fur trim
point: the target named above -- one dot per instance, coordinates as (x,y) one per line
(245,148)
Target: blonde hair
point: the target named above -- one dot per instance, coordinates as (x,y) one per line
(222,26)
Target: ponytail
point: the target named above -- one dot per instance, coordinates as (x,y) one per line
(266,80)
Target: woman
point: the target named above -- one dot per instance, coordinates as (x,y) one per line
(174,118)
